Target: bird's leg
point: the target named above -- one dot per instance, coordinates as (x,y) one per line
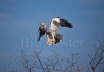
(53,37)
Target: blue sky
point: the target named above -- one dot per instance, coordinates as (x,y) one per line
(19,20)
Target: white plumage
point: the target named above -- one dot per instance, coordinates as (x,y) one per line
(51,32)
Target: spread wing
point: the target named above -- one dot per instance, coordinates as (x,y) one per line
(61,22)
(41,31)
(65,23)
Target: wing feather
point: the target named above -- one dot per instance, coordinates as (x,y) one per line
(65,23)
(42,31)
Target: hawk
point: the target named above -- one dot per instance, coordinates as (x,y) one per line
(51,32)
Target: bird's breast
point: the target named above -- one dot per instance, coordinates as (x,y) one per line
(53,28)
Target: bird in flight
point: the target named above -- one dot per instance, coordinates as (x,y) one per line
(51,32)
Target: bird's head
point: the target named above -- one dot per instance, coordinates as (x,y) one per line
(44,24)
